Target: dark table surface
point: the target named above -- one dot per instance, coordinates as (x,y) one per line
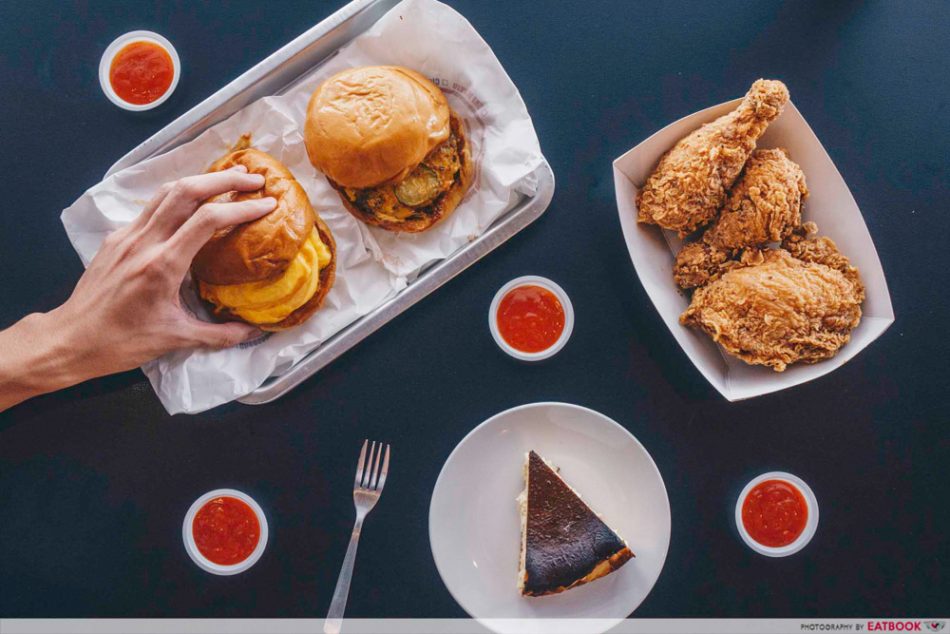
(96,479)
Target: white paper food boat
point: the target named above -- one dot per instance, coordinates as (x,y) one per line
(830,204)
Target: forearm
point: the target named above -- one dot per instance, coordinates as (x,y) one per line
(38,356)
(125,310)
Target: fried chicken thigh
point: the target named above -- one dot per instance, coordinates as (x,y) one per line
(776,309)
(690,182)
(765,205)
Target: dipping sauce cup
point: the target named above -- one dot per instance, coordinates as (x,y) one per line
(777,514)
(225,532)
(531,318)
(139,70)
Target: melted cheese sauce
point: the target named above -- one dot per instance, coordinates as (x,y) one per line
(270,301)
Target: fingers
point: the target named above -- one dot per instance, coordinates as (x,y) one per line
(221,335)
(149,210)
(187,194)
(210,217)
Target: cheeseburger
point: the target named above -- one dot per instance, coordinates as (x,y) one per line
(275,271)
(388,142)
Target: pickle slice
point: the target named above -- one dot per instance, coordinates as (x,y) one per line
(420,187)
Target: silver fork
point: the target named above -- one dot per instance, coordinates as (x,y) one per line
(370,479)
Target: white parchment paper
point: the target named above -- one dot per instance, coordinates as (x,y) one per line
(372,265)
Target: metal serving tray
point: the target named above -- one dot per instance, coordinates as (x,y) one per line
(272,76)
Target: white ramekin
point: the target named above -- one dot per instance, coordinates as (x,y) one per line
(105,64)
(811,524)
(532,280)
(192,548)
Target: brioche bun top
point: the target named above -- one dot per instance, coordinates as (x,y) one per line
(263,248)
(369,125)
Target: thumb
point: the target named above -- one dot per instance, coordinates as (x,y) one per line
(222,335)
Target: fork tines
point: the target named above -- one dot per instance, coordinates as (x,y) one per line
(370,475)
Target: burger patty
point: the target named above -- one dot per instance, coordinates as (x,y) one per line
(430,180)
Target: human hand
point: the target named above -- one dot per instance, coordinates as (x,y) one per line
(126,309)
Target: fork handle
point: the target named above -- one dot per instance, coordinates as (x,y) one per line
(338,605)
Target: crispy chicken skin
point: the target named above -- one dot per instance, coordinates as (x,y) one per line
(775,309)
(804,245)
(689,184)
(698,263)
(765,205)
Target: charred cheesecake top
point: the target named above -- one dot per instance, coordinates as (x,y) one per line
(564,539)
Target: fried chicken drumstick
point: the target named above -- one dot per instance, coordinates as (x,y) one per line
(690,182)
(765,205)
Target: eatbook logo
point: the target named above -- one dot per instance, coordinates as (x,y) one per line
(935,626)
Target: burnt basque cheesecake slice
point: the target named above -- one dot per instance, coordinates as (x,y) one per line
(563,542)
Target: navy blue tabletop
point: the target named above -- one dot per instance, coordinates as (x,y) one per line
(95,480)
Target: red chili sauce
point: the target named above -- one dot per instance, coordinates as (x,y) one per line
(530,318)
(226,530)
(141,72)
(774,513)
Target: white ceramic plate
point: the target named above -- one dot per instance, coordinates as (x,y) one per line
(474,524)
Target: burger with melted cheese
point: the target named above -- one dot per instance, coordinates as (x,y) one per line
(388,142)
(275,271)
